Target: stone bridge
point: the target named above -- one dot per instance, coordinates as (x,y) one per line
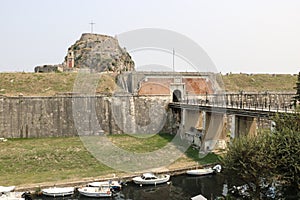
(204,113)
(218,117)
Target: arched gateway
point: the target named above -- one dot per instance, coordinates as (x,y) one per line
(177,97)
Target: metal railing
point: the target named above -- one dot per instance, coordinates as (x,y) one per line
(272,102)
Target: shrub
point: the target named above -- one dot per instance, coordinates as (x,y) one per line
(271,157)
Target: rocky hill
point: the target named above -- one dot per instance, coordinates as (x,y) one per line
(96,52)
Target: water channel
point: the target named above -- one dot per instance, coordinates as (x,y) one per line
(181,187)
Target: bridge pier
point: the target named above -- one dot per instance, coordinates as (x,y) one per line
(215,131)
(206,130)
(243,125)
(213,123)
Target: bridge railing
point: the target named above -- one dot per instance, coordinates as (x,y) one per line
(278,102)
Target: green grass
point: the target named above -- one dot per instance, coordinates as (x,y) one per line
(48,84)
(141,144)
(38,160)
(46,160)
(259,82)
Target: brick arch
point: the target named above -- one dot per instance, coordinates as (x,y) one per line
(152,88)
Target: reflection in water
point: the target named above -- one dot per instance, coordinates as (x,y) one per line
(181,187)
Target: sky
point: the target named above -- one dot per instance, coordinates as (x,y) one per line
(248,36)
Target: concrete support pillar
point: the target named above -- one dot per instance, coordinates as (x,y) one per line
(253,126)
(203,122)
(224,127)
(245,126)
(232,129)
(183,116)
(215,131)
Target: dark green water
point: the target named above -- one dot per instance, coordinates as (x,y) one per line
(182,187)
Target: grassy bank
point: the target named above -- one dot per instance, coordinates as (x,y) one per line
(48,84)
(33,161)
(259,82)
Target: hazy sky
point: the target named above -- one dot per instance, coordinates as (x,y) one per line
(255,36)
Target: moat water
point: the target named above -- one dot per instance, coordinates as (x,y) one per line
(181,187)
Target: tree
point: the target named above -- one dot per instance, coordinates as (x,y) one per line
(287,121)
(270,157)
(285,148)
(245,160)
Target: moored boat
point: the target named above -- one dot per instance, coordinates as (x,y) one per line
(115,185)
(151,179)
(12,196)
(58,191)
(204,171)
(102,191)
(199,197)
(5,189)
(200,172)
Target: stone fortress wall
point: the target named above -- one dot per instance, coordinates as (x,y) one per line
(29,117)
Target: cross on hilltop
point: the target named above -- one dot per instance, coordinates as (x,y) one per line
(92,25)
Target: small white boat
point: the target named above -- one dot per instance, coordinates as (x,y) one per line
(5,189)
(58,191)
(12,196)
(151,179)
(199,197)
(200,172)
(102,191)
(204,171)
(115,185)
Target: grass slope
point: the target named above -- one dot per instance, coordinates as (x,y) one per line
(259,82)
(46,160)
(30,161)
(48,84)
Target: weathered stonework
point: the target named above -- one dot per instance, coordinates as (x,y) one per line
(27,117)
(96,52)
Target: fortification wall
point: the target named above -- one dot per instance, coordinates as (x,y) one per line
(28,117)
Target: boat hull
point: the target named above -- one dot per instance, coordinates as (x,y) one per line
(198,197)
(159,180)
(58,192)
(5,189)
(12,196)
(94,192)
(200,172)
(115,185)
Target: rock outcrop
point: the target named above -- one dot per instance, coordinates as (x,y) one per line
(98,53)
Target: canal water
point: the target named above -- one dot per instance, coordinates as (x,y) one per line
(181,187)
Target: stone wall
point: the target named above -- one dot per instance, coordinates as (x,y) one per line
(27,117)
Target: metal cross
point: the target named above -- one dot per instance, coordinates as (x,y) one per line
(92,25)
